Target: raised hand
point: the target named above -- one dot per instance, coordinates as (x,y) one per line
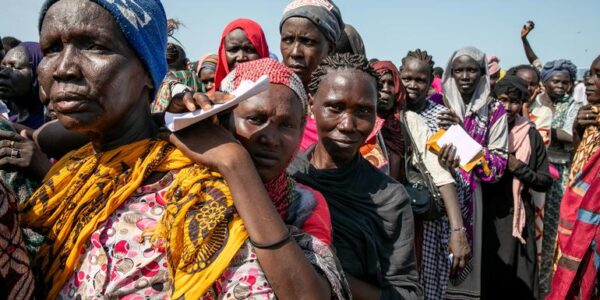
(527,28)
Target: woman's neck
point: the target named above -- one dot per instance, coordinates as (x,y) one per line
(322,159)
(466,98)
(417,106)
(136,126)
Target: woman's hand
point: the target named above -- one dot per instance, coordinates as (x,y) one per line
(587,115)
(513,162)
(208,144)
(448,118)
(447,157)
(460,249)
(192,101)
(18,151)
(527,28)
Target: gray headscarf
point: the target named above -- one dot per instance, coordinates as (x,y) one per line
(350,42)
(452,97)
(324,14)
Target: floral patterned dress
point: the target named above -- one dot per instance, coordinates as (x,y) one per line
(120,262)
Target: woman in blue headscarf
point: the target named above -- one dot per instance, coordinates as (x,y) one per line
(558,77)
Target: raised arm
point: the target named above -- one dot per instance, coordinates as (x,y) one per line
(527,28)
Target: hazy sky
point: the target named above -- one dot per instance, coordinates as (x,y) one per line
(564,29)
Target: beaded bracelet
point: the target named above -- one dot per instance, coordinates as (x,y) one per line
(463,229)
(273,245)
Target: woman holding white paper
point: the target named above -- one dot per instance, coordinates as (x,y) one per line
(467,94)
(446,235)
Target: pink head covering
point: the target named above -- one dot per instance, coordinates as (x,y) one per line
(493,64)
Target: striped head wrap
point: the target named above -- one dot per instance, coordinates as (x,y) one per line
(208,62)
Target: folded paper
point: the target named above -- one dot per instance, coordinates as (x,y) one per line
(468,150)
(246,90)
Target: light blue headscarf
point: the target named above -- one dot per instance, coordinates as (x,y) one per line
(144,24)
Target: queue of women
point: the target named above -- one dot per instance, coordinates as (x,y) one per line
(304,191)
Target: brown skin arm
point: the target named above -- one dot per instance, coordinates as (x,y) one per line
(531,56)
(457,244)
(362,290)
(289,273)
(563,136)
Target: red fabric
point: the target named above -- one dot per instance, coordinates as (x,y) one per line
(385,66)
(391,131)
(436,84)
(279,191)
(255,35)
(318,224)
(579,236)
(371,140)
(310,136)
(252,70)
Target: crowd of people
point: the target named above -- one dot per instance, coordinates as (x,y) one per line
(324,186)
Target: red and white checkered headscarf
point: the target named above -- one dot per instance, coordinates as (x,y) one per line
(277,73)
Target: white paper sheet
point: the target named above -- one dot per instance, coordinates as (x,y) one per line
(247,89)
(466,147)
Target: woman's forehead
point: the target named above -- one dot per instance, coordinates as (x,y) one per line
(68,14)
(16,54)
(348,77)
(465,60)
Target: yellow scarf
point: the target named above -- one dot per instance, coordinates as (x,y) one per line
(201,230)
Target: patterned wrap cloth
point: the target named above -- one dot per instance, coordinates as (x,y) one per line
(200,229)
(576,275)
(16,278)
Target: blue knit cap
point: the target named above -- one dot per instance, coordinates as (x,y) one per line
(144,24)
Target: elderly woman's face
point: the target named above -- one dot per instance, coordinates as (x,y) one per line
(558,85)
(467,73)
(16,75)
(90,75)
(269,125)
(303,47)
(344,107)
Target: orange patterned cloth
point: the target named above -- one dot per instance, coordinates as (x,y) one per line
(200,229)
